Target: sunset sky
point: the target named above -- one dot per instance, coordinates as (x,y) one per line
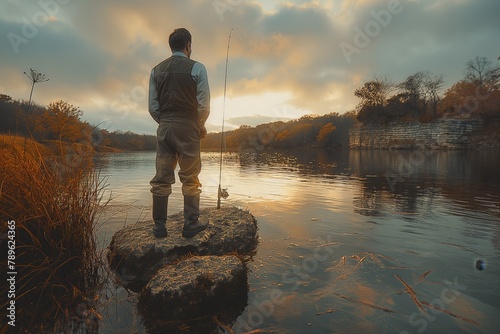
(287,58)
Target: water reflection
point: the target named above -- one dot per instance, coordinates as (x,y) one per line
(217,318)
(448,170)
(405,213)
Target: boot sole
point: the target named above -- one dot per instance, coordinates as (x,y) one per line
(190,234)
(160,234)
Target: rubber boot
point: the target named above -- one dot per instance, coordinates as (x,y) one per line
(193,223)
(160,216)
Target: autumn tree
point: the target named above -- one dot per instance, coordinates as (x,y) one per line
(5,98)
(323,136)
(61,121)
(412,92)
(373,97)
(282,135)
(466,99)
(477,95)
(297,134)
(419,93)
(8,115)
(459,101)
(14,115)
(483,78)
(374,92)
(480,71)
(432,86)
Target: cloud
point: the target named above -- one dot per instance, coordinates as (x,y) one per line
(70,63)
(283,56)
(310,21)
(429,35)
(255,120)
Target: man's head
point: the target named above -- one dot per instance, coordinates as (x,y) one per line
(180,40)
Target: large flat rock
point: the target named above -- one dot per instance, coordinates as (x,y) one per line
(136,255)
(194,287)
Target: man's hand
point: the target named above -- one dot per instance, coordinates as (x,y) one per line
(203,131)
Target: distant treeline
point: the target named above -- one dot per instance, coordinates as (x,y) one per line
(331,130)
(61,121)
(128,141)
(419,98)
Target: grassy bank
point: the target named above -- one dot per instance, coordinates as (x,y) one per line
(53,193)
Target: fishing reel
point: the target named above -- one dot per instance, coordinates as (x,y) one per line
(223,193)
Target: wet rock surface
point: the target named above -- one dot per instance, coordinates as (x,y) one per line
(194,287)
(136,255)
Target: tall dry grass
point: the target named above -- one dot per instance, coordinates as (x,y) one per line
(55,202)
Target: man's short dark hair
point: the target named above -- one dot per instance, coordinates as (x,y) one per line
(178,39)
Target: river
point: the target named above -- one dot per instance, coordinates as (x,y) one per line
(341,232)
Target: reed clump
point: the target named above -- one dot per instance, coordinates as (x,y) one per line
(55,202)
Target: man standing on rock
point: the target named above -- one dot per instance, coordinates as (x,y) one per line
(179,101)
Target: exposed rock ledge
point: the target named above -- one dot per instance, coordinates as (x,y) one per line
(136,255)
(194,287)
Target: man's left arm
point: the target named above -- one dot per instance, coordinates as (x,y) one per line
(202,92)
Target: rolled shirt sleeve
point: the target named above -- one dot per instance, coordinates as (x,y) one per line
(200,75)
(154,104)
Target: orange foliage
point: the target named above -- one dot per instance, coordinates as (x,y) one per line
(60,121)
(466,99)
(325,131)
(282,135)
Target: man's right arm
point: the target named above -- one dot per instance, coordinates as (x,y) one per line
(154,103)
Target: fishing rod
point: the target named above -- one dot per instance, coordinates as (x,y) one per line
(223,192)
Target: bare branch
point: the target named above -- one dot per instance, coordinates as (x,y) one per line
(480,71)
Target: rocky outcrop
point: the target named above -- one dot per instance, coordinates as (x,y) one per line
(442,134)
(195,287)
(191,285)
(136,255)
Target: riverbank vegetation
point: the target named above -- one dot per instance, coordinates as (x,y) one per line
(53,199)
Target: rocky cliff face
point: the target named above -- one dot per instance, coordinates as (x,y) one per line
(443,134)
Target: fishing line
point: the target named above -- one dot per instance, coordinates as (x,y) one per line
(223,192)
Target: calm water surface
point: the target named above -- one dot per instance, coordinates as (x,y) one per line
(338,230)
